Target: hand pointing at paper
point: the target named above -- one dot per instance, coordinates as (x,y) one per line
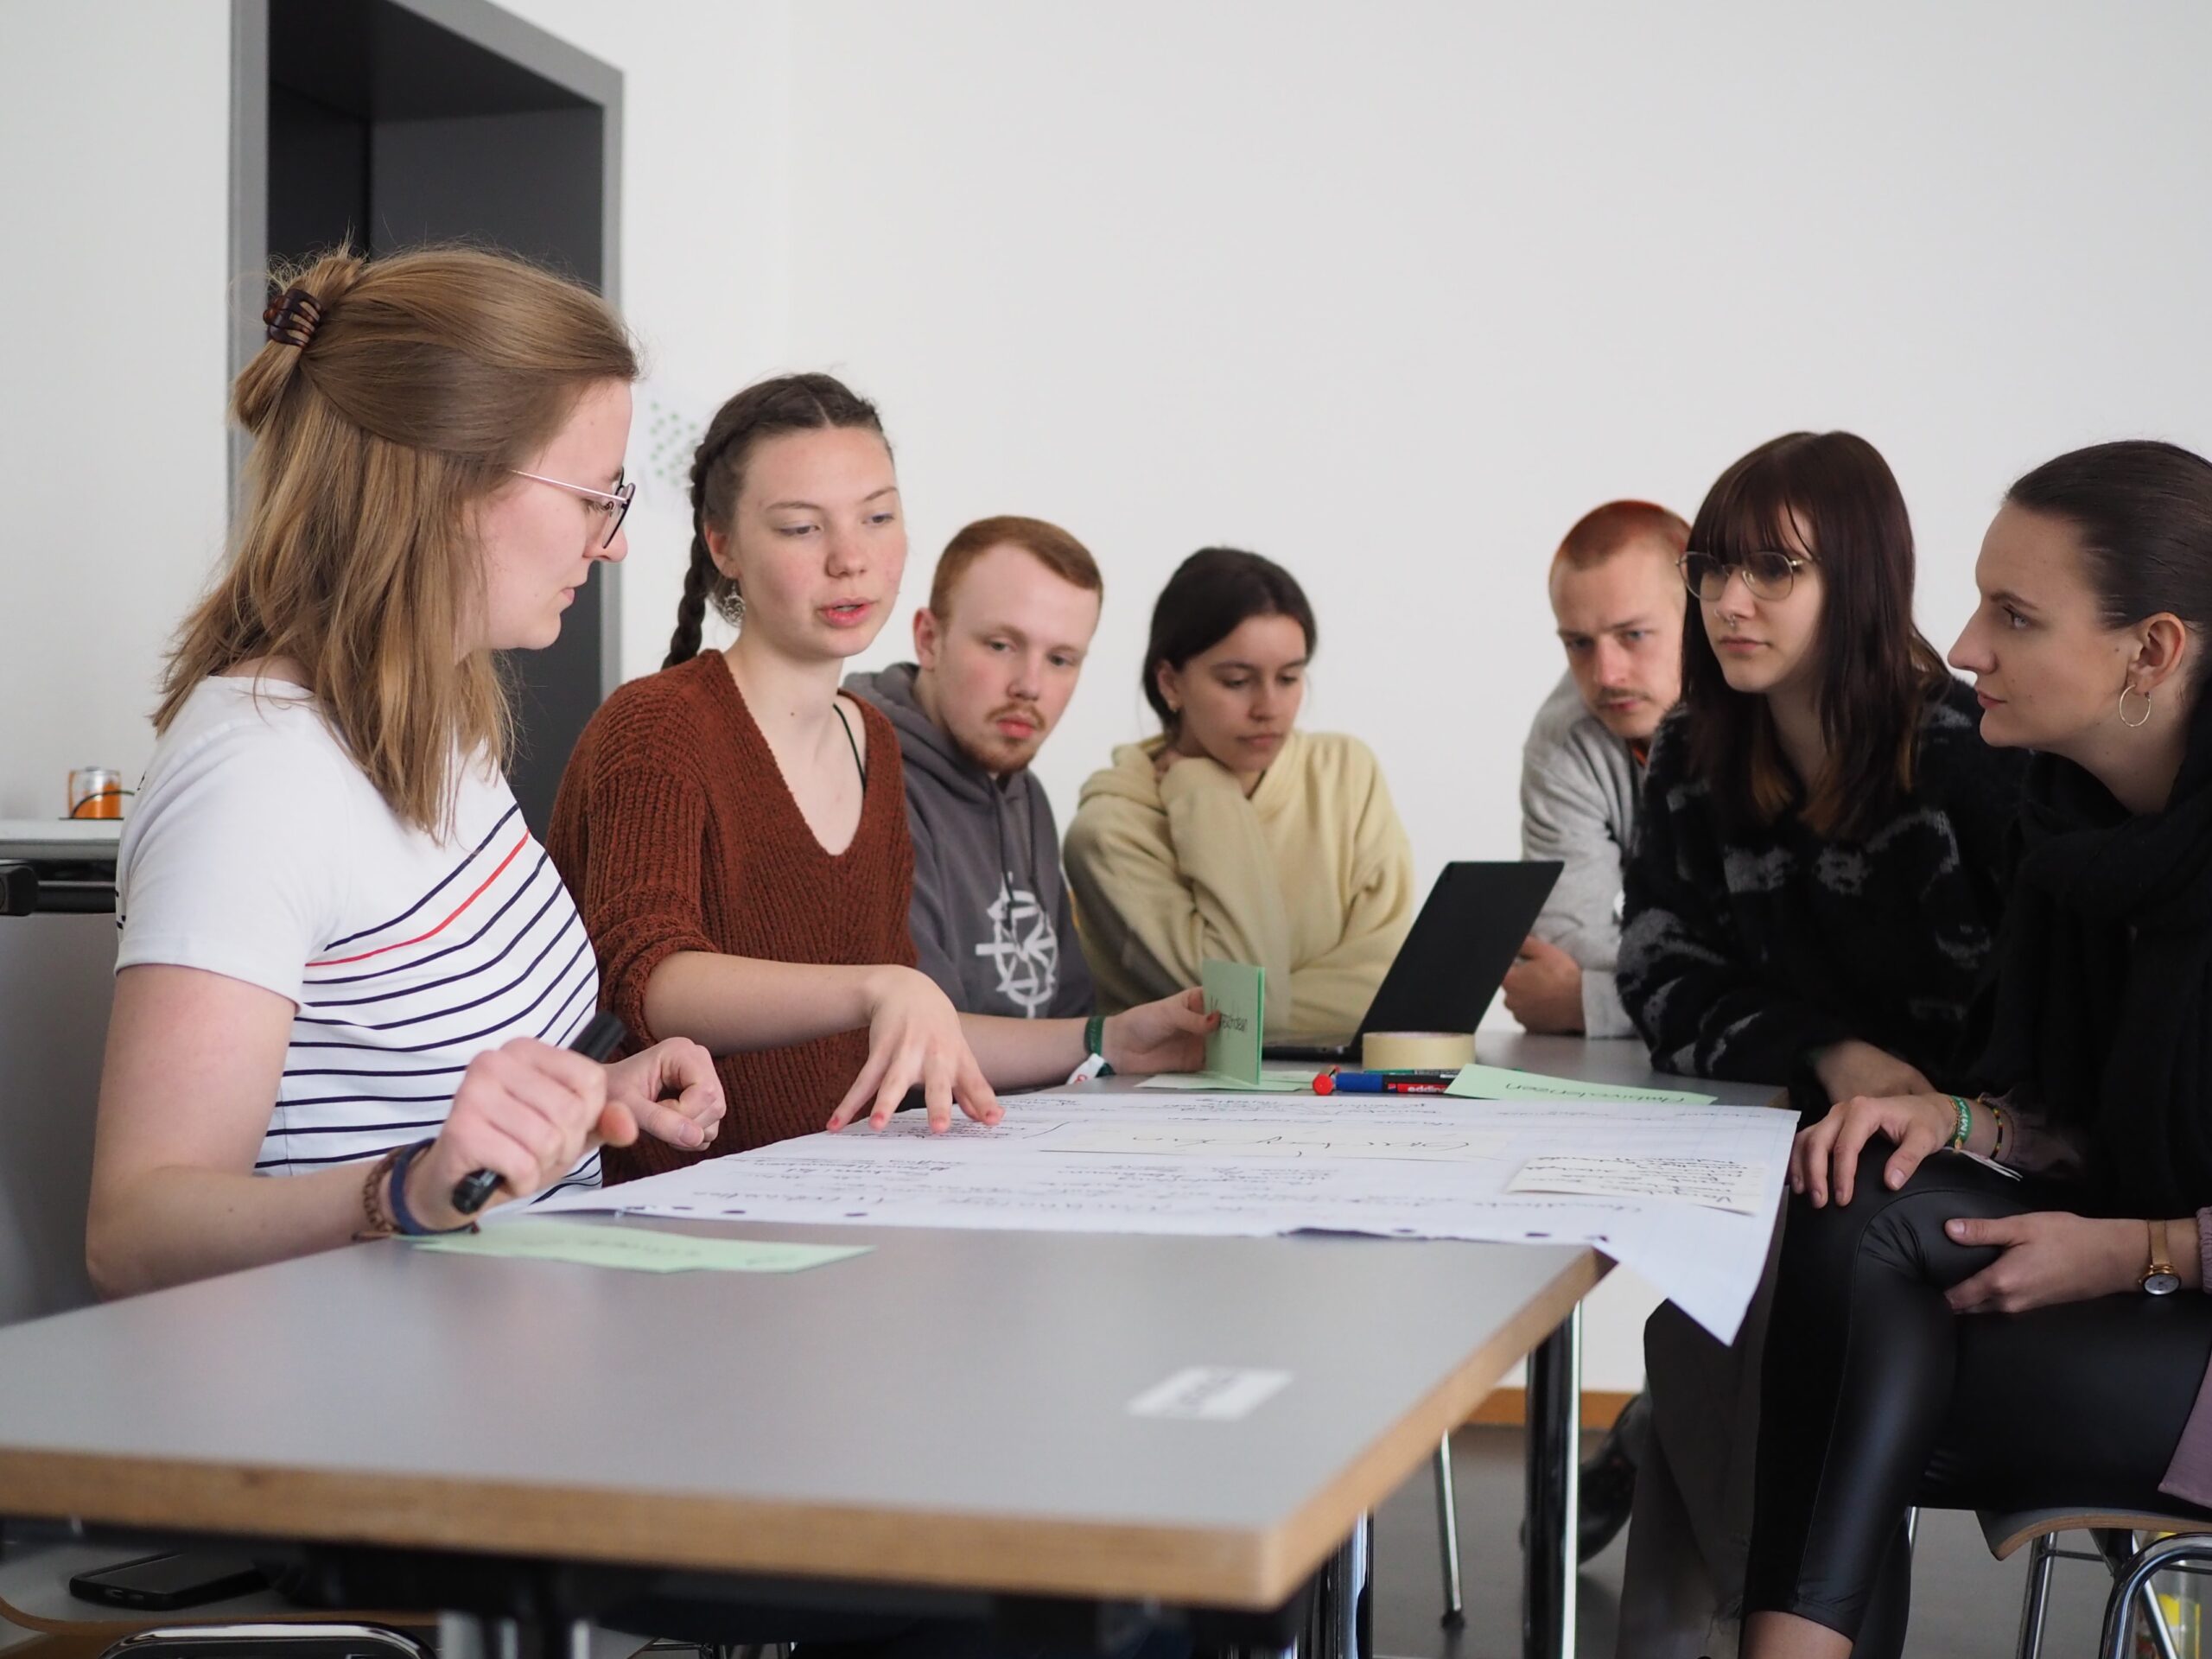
(994,1051)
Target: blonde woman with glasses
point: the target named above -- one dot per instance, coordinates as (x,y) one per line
(348,974)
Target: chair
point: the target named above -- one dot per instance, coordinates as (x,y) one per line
(2133,1565)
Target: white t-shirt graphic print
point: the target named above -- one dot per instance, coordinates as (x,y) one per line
(257,849)
(1023,948)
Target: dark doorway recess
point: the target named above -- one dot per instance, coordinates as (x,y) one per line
(386,124)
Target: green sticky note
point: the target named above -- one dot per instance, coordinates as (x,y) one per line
(1200,1083)
(1238,992)
(642,1250)
(1502,1083)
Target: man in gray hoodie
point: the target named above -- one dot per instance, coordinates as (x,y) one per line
(1011,610)
(1618,600)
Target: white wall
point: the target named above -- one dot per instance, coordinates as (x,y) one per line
(115,189)
(1394,294)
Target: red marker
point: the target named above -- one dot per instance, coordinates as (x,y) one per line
(1336,1080)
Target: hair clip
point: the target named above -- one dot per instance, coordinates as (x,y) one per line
(292,317)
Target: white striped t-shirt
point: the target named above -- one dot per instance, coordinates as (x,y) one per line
(256,848)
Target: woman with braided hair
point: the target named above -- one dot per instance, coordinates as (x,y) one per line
(735,828)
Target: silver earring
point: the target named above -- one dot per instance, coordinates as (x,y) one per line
(2134,725)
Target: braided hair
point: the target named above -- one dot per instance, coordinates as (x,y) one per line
(789,403)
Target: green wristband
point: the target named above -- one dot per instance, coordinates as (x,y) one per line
(1094,1041)
(1966,1124)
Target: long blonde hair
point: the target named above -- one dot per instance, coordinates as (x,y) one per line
(427,376)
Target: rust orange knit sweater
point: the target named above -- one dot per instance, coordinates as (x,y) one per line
(675,831)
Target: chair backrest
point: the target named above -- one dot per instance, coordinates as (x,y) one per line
(56,986)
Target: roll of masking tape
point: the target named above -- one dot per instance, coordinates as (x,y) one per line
(1417,1050)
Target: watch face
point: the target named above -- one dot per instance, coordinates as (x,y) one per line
(2161,1284)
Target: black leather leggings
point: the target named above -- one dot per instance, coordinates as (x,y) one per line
(1875,1397)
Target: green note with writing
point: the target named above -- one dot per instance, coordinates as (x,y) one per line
(1502,1083)
(1238,993)
(642,1250)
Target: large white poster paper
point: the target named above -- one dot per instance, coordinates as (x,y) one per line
(1409,1166)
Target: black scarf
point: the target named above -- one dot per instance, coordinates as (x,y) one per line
(2109,1035)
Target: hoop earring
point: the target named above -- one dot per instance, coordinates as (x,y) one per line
(2134,725)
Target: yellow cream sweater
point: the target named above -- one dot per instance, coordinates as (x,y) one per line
(1311,878)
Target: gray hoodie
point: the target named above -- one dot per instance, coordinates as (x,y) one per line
(990,918)
(1579,788)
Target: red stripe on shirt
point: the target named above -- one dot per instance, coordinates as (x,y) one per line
(340,962)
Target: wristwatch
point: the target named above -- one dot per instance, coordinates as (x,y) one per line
(2159,1278)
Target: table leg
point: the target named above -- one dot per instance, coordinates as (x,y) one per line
(1333,1625)
(1447,1538)
(1554,1446)
(470,1636)
(1353,1557)
(463,1635)
(1365,1647)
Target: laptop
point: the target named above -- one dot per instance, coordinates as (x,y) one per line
(1451,964)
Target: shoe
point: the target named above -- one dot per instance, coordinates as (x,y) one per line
(1606,1488)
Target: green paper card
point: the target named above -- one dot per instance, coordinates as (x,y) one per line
(1238,993)
(642,1250)
(1502,1083)
(1200,1083)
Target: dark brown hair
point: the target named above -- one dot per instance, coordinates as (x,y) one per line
(790,403)
(2143,511)
(1603,531)
(1834,494)
(427,376)
(1052,547)
(1211,594)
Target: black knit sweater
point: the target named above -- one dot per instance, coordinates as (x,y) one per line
(1742,953)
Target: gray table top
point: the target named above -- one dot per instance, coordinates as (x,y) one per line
(951,1409)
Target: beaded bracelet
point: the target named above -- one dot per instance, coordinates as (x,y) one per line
(375,1222)
(1966,1123)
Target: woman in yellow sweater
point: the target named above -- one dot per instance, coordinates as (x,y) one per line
(1234,834)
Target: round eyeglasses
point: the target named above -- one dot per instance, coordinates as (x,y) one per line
(1769,574)
(614,504)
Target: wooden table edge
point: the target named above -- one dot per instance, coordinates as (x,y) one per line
(1220,1566)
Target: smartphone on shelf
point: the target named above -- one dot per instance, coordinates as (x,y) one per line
(171,1580)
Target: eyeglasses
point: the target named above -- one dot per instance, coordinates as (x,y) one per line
(1769,574)
(615,503)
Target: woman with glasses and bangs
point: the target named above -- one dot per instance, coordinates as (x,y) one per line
(1816,885)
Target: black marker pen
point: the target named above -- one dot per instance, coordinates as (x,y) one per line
(600,1039)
